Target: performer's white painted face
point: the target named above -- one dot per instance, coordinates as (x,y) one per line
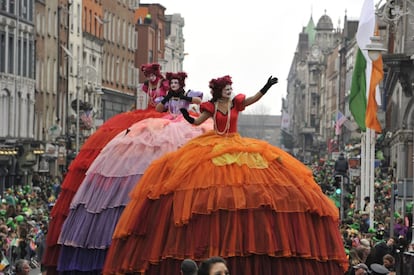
(174,84)
(226,93)
(152,77)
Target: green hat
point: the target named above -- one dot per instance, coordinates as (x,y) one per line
(409,207)
(19,218)
(355,226)
(10,223)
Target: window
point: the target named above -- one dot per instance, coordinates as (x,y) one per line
(79,23)
(30,10)
(28,115)
(2,52)
(5,120)
(49,22)
(31,59)
(90,21)
(85,19)
(25,55)
(11,54)
(23,10)
(19,57)
(12,6)
(3,5)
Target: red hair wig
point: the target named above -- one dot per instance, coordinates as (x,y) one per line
(152,68)
(217,85)
(181,76)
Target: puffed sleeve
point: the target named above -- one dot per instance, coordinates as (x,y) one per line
(207,106)
(164,87)
(238,102)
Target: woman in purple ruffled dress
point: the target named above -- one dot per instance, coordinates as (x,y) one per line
(87,232)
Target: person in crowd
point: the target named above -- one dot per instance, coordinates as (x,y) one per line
(366,207)
(22,267)
(189,267)
(389,262)
(380,250)
(360,269)
(243,193)
(354,260)
(341,166)
(365,249)
(213,266)
(400,229)
(364,222)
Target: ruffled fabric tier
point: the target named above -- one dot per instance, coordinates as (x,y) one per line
(102,196)
(239,198)
(76,173)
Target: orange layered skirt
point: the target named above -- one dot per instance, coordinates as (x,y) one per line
(239,198)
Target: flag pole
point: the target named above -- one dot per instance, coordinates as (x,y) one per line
(363,178)
(372,177)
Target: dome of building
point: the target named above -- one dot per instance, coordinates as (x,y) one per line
(324,23)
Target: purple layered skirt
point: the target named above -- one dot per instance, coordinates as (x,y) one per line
(102,196)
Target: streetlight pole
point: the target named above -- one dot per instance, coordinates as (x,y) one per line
(78,87)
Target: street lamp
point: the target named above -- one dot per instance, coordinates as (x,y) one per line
(375,48)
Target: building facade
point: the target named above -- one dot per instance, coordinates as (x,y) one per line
(118,68)
(174,43)
(17,91)
(396,32)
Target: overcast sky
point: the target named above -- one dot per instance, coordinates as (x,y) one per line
(249,40)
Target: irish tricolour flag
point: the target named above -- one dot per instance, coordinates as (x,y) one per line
(364,98)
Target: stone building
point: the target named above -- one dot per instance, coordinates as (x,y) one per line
(311,99)
(396,31)
(17,91)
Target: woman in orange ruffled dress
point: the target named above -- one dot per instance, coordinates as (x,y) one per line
(155,87)
(225,195)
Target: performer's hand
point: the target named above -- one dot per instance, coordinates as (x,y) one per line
(270,82)
(166,98)
(186,115)
(196,100)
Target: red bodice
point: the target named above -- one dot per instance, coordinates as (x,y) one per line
(221,119)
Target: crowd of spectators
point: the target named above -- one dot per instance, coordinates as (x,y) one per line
(24,217)
(368,245)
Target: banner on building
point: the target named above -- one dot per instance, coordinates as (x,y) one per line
(285,121)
